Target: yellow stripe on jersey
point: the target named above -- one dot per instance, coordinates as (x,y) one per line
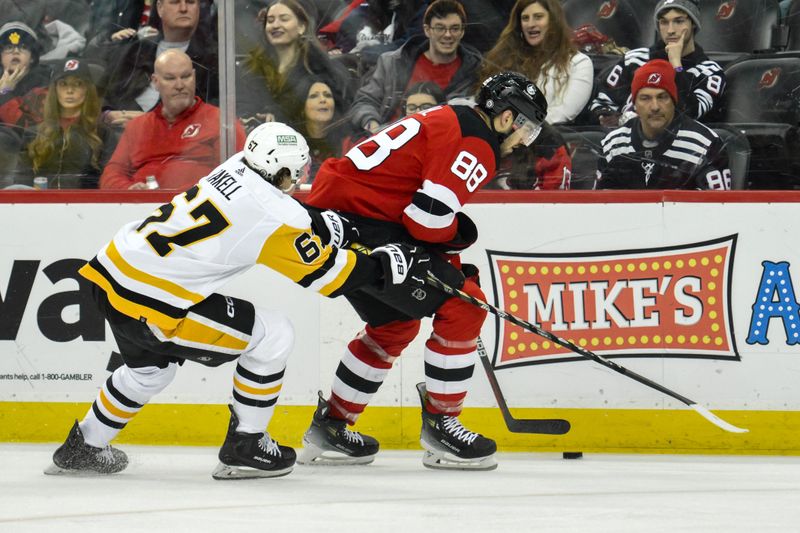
(341,278)
(127,307)
(253,390)
(180,328)
(148,279)
(280,252)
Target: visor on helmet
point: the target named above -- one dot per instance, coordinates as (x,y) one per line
(525,129)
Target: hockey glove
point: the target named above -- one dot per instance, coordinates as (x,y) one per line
(466,235)
(333,228)
(471,272)
(402,264)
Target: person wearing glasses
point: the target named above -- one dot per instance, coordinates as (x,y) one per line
(421,97)
(538,43)
(439,56)
(700,81)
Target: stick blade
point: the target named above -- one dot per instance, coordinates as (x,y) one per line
(717,421)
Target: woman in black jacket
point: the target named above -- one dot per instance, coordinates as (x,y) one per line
(70,145)
(274,81)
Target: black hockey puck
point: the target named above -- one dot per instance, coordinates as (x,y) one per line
(572,455)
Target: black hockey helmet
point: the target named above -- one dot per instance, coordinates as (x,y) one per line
(512,90)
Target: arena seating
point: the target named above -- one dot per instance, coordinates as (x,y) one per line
(763,101)
(629,22)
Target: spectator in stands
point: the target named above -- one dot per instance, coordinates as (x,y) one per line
(129,90)
(48,18)
(421,96)
(117,20)
(177,141)
(23,80)
(440,57)
(547,165)
(537,42)
(700,81)
(69,146)
(276,74)
(661,148)
(375,27)
(322,125)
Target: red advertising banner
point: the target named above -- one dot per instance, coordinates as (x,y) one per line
(672,301)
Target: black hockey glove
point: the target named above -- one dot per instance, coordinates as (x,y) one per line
(402,264)
(333,228)
(471,272)
(466,235)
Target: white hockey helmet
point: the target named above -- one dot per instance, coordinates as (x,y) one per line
(273,146)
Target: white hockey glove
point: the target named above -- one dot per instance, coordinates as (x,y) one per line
(333,228)
(402,264)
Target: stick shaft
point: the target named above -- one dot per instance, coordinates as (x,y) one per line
(436,282)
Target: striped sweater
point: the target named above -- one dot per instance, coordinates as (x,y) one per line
(687,155)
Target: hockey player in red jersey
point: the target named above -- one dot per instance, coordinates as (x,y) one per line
(408,183)
(156,283)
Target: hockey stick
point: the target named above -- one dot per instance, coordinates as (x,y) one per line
(545,426)
(702,411)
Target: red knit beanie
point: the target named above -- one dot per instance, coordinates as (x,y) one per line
(658,74)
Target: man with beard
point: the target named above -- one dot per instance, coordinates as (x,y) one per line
(661,148)
(700,81)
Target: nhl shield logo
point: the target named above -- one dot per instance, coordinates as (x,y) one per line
(769,78)
(607,9)
(726,10)
(191,131)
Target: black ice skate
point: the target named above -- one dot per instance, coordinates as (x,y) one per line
(329,442)
(449,445)
(75,457)
(251,455)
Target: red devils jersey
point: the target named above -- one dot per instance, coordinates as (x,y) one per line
(418,172)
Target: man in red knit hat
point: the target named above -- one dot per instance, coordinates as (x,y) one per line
(661,149)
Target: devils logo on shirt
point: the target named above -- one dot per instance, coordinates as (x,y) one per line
(726,10)
(191,131)
(607,10)
(769,78)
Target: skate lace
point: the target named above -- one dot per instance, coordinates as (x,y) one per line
(353,436)
(454,428)
(106,456)
(269,446)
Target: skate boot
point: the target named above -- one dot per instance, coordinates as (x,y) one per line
(251,455)
(75,457)
(328,441)
(449,445)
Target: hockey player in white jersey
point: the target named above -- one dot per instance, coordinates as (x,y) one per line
(155,283)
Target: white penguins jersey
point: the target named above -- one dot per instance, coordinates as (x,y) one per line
(156,268)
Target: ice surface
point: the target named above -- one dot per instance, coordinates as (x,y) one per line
(170,489)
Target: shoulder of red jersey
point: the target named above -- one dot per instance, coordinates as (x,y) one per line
(472,126)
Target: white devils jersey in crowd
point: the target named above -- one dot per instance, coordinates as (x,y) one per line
(232,219)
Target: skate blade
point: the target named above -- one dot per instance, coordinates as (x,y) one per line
(446,461)
(313,455)
(225,472)
(55,470)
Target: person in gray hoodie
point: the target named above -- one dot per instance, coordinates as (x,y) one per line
(440,57)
